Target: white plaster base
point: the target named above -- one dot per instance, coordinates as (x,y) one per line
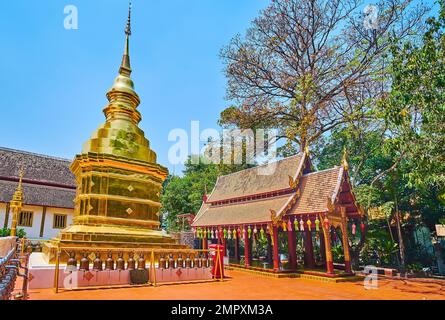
(42,275)
(182,274)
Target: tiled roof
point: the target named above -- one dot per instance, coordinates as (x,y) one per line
(37,167)
(48,181)
(39,195)
(315,190)
(257,180)
(241,213)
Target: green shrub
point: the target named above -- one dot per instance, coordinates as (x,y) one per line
(5,232)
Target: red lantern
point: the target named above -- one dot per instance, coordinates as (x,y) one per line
(362,226)
(326,223)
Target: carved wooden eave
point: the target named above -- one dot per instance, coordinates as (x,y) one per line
(330,205)
(335,221)
(335,203)
(360,209)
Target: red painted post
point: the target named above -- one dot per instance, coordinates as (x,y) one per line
(276,257)
(328,250)
(246,248)
(292,246)
(269,248)
(309,249)
(345,240)
(237,254)
(204,245)
(322,247)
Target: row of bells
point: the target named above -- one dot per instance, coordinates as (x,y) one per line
(298,225)
(200,261)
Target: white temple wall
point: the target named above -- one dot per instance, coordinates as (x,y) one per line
(33,232)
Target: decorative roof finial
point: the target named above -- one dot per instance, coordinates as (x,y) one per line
(17,203)
(18,194)
(128,28)
(21,174)
(344,161)
(125,68)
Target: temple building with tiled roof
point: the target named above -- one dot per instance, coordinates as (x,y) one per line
(284,197)
(49,189)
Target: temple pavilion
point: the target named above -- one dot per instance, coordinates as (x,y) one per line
(300,215)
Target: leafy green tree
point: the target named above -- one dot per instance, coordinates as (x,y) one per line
(415,108)
(184,195)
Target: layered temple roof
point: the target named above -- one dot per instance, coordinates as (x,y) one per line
(246,197)
(47,181)
(254,181)
(316,188)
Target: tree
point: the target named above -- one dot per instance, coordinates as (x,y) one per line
(307,66)
(183,195)
(414,110)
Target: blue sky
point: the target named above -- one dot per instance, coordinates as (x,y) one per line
(54,80)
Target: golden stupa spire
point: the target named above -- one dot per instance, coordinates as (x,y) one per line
(122,97)
(125,68)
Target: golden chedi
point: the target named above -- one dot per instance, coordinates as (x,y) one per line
(118,180)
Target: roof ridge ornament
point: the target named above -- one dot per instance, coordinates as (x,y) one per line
(306,150)
(344,161)
(17,203)
(21,174)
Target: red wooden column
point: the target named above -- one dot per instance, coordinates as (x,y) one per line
(246,248)
(322,247)
(292,246)
(237,254)
(344,234)
(309,249)
(204,243)
(269,248)
(328,248)
(276,257)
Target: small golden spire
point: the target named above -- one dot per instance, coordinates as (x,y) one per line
(21,173)
(344,161)
(306,149)
(122,95)
(125,68)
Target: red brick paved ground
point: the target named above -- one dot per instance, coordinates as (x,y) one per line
(243,286)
